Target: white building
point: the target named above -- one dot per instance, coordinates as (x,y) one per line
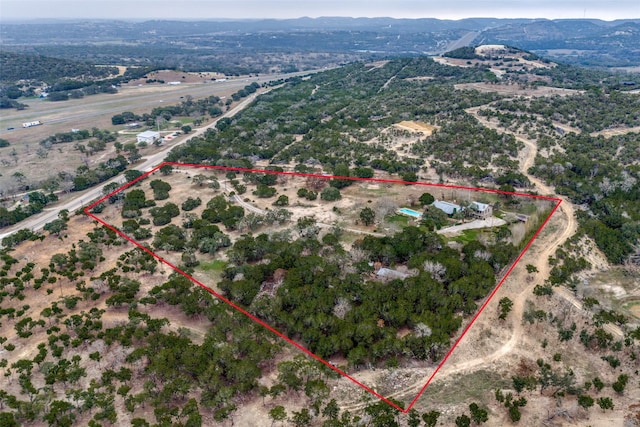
(148,136)
(481,210)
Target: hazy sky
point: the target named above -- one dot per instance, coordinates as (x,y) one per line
(211,9)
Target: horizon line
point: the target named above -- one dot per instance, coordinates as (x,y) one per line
(223,19)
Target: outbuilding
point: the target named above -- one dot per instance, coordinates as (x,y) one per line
(148,136)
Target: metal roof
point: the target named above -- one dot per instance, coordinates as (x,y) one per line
(446,207)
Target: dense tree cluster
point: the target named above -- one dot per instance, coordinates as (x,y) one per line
(349,313)
(19,66)
(36,203)
(65,78)
(465,52)
(454,149)
(597,172)
(600,174)
(189,107)
(572,77)
(86,177)
(591,111)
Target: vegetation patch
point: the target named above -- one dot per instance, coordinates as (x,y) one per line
(215,265)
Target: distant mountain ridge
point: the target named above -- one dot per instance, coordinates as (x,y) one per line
(115,28)
(581,41)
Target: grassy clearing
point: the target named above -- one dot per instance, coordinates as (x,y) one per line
(374,192)
(467,236)
(349,238)
(401,220)
(615,288)
(183,120)
(215,265)
(528,208)
(633,308)
(615,276)
(472,387)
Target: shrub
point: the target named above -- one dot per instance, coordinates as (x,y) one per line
(330,194)
(191,203)
(283,200)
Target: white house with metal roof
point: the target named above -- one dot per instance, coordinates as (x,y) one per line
(481,210)
(148,136)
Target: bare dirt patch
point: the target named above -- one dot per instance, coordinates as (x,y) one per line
(607,133)
(401,136)
(377,64)
(516,89)
(420,78)
(424,128)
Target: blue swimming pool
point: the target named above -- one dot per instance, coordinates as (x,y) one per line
(410,212)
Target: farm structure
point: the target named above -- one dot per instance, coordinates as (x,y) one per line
(148,136)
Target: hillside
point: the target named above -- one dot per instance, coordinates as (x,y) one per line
(16,66)
(575,41)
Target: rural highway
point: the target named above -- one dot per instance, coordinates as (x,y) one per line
(462,41)
(80,199)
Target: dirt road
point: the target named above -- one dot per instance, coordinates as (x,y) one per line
(538,255)
(249,207)
(472,225)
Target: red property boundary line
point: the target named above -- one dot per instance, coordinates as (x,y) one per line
(280,334)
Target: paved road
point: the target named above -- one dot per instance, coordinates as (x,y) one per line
(462,41)
(478,223)
(81,199)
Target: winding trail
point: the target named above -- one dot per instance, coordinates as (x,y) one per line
(545,245)
(566,207)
